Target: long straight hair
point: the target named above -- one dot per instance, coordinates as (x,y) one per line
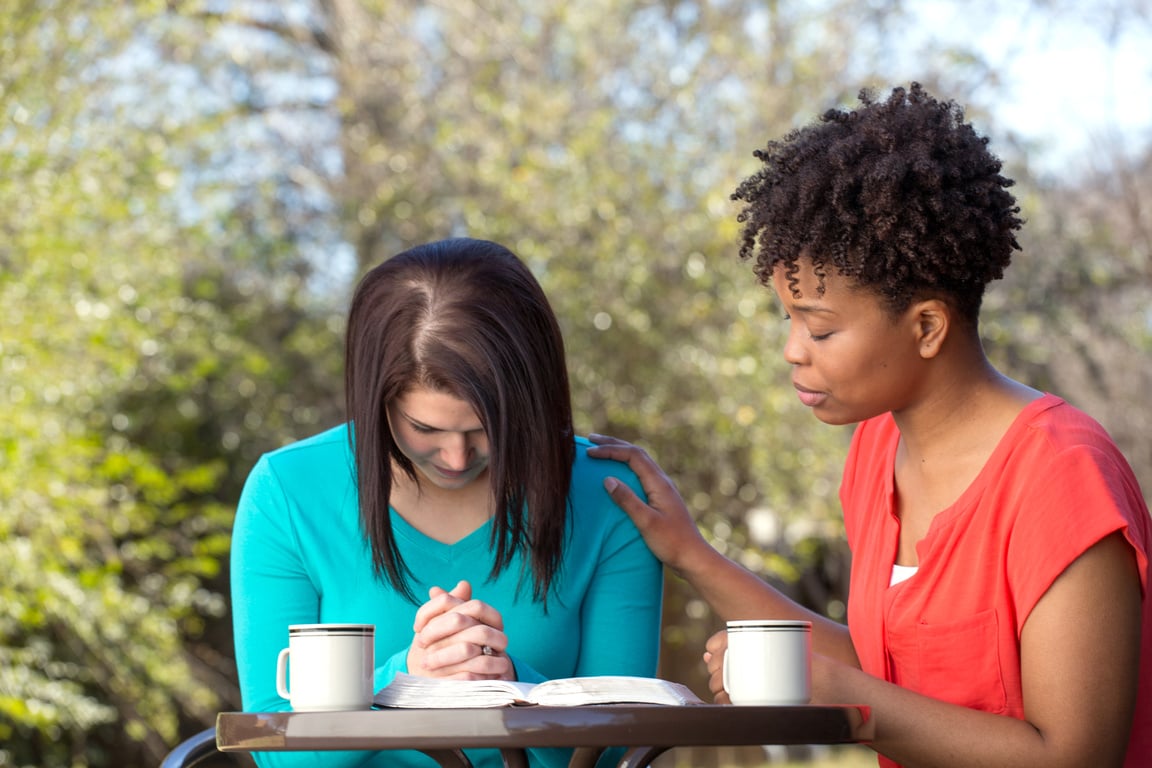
(464,317)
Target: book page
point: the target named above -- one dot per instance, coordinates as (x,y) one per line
(411,691)
(427,692)
(608,689)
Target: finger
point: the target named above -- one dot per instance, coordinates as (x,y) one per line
(626,453)
(717,643)
(460,618)
(443,626)
(617,450)
(439,603)
(462,591)
(479,649)
(651,475)
(482,612)
(624,497)
(660,489)
(714,663)
(465,661)
(608,440)
(716,685)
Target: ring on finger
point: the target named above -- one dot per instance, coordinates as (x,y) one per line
(487,650)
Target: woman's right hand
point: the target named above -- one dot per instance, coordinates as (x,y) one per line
(459,637)
(665,522)
(715,649)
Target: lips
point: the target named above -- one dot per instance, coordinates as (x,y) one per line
(809,397)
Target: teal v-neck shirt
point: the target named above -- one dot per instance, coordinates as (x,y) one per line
(299,556)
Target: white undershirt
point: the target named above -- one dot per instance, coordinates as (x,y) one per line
(901,573)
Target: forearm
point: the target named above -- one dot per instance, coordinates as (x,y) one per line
(917,730)
(734,593)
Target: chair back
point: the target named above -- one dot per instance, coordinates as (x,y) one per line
(192,750)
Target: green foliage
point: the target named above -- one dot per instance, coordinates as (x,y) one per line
(97,582)
(139,376)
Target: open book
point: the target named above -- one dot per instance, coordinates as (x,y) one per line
(427,692)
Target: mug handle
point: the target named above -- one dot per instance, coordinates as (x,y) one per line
(282,674)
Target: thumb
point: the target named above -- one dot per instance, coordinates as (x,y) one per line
(462,591)
(624,497)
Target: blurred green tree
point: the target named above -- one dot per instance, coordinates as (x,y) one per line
(154,342)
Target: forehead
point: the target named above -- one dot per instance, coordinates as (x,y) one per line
(807,286)
(436,408)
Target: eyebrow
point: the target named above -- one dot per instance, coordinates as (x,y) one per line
(434,428)
(416,422)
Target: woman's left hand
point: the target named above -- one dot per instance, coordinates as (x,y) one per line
(458,637)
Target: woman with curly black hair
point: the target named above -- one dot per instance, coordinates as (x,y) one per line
(998,610)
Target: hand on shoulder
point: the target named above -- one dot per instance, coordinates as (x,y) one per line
(665,522)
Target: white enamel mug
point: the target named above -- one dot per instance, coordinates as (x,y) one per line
(327,666)
(769,662)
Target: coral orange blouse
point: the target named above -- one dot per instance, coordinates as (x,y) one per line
(1055,485)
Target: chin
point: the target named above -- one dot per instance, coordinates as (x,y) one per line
(837,418)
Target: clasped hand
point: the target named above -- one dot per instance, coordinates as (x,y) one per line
(458,637)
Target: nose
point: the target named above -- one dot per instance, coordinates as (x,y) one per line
(456,450)
(795,352)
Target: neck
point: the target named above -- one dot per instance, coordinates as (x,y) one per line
(446,515)
(968,405)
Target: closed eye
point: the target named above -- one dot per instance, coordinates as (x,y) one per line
(813,336)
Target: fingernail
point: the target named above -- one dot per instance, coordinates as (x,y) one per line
(610,484)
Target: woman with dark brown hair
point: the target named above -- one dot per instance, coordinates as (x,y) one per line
(454,510)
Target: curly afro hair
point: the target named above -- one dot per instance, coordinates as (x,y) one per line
(901,196)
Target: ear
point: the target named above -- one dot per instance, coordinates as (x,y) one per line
(933,322)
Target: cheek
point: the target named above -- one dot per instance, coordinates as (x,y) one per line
(886,365)
(414,445)
(859,364)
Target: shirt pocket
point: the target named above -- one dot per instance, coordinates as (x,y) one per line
(957,661)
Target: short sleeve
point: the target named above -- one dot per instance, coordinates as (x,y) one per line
(1081,497)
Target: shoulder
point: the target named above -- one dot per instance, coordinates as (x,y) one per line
(1065,438)
(1063,486)
(1059,458)
(1059,423)
(331,443)
(587,497)
(311,477)
(600,529)
(588,474)
(325,455)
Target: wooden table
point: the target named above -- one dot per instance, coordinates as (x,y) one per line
(646,731)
